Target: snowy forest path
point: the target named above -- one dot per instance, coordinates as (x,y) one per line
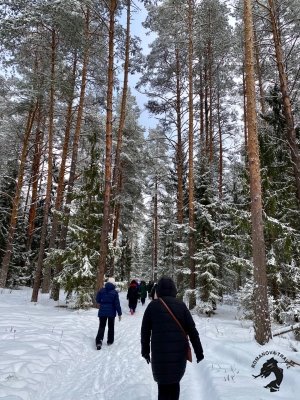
(116,372)
(48,353)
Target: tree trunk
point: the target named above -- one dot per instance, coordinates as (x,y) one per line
(220,148)
(155,230)
(179,168)
(35,172)
(116,170)
(117,181)
(258,74)
(262,325)
(38,271)
(179,148)
(72,176)
(16,201)
(108,150)
(210,62)
(201,105)
(117,216)
(192,300)
(287,108)
(61,177)
(206,108)
(245,110)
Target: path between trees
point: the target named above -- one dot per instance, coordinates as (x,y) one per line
(117,372)
(48,353)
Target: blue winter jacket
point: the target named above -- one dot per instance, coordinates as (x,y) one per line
(108,299)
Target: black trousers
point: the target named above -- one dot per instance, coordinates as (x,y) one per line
(132,304)
(101,330)
(169,392)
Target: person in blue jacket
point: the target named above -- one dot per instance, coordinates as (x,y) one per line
(109,307)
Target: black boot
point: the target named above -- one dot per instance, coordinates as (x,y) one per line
(99,345)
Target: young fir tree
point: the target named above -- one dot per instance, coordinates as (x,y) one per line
(235,225)
(168,232)
(18,273)
(147,266)
(126,268)
(7,192)
(80,258)
(208,241)
(282,228)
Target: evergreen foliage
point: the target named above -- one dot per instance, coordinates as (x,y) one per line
(281,208)
(7,190)
(81,256)
(153,231)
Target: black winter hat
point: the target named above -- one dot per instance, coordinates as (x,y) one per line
(166,287)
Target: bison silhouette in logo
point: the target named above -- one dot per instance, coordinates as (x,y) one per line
(268,367)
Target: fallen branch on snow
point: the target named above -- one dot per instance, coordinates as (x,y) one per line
(286,329)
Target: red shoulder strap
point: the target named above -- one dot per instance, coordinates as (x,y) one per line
(178,323)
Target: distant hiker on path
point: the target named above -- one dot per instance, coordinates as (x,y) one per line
(143,292)
(109,302)
(153,292)
(168,350)
(149,288)
(132,296)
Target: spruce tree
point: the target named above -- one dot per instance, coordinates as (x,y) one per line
(282,225)
(81,256)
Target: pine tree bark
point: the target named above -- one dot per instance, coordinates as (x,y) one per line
(117,216)
(287,108)
(179,169)
(262,324)
(75,146)
(155,229)
(245,109)
(35,171)
(38,271)
(259,76)
(61,177)
(220,146)
(14,213)
(116,170)
(206,107)
(108,151)
(210,83)
(117,181)
(201,105)
(192,300)
(179,144)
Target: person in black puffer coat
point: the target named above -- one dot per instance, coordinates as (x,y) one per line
(168,343)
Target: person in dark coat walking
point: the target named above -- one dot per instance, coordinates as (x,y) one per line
(153,291)
(143,292)
(108,299)
(149,288)
(132,296)
(168,343)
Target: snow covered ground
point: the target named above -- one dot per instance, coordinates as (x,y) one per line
(48,353)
